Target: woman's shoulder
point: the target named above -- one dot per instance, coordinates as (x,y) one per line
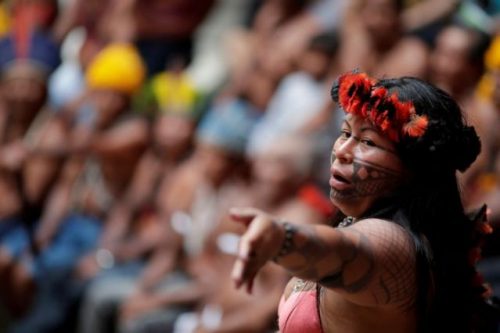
(385,252)
(385,239)
(379,223)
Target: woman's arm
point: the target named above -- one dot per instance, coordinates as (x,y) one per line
(370,263)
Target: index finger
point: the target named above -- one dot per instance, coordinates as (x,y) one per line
(243,215)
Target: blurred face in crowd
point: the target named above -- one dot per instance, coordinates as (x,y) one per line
(272,174)
(258,88)
(281,168)
(275,64)
(315,62)
(108,104)
(216,163)
(365,167)
(24,92)
(449,59)
(173,134)
(380,17)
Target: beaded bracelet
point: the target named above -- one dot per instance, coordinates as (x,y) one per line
(286,246)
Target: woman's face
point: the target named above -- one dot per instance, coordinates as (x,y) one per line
(365,167)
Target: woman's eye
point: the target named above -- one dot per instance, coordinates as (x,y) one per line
(368,142)
(345,134)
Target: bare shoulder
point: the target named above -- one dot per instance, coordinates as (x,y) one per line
(379,229)
(388,242)
(383,265)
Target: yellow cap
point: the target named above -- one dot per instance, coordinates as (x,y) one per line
(118,67)
(492,56)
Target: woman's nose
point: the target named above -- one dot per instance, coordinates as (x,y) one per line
(344,151)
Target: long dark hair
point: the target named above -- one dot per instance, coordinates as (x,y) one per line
(429,206)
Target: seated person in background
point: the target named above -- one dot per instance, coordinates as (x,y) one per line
(24,75)
(373,40)
(173,103)
(298,97)
(456,63)
(23,88)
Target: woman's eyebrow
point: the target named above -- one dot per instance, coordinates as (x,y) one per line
(370,128)
(367,128)
(347,123)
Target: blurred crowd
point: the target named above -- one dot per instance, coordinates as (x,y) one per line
(129,128)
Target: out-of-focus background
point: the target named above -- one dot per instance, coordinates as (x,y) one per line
(129,127)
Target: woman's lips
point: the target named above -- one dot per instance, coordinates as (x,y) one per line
(338,182)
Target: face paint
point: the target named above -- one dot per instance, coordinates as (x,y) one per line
(366,179)
(365,167)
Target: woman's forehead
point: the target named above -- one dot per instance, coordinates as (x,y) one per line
(361,124)
(357,121)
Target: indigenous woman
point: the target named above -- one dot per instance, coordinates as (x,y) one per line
(402,253)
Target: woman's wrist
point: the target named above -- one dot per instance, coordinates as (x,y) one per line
(288,232)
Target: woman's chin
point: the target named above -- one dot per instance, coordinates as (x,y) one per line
(350,206)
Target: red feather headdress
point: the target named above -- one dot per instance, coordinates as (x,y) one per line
(359,95)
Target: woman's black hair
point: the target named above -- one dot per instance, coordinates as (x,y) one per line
(448,144)
(429,206)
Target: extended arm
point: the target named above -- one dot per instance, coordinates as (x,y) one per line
(370,263)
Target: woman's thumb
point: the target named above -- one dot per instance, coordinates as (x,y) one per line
(244,215)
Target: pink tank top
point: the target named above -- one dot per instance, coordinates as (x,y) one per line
(299,313)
